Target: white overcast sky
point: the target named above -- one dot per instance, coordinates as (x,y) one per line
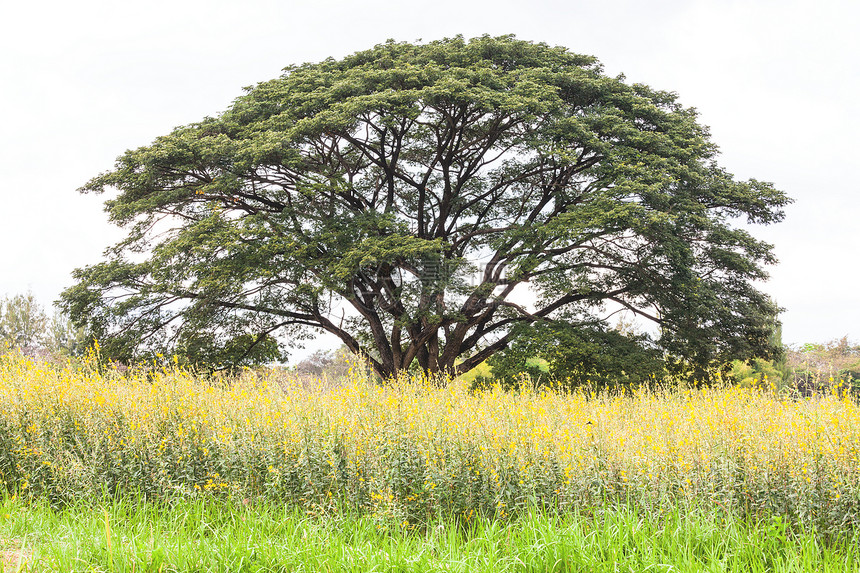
(778,82)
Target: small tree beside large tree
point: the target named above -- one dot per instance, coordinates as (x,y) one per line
(405,198)
(23,322)
(25,326)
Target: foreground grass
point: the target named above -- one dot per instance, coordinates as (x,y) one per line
(221,536)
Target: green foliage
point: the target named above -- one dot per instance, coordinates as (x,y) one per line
(217,351)
(23,322)
(569,356)
(416,186)
(759,372)
(25,326)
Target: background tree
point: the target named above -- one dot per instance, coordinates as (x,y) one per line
(403,198)
(333,364)
(23,322)
(818,367)
(24,325)
(62,337)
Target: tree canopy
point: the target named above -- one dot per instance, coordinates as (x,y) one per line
(419,202)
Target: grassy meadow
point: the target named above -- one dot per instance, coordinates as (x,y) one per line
(415,465)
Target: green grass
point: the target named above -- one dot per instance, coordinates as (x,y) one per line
(208,535)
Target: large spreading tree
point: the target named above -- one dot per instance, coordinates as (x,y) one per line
(420,202)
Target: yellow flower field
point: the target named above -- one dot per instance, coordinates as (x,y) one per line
(413,450)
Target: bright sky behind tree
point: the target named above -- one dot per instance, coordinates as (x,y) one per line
(776,80)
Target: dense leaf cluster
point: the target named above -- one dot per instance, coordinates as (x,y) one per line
(558,354)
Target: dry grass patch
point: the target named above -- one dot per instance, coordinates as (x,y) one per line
(15,556)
